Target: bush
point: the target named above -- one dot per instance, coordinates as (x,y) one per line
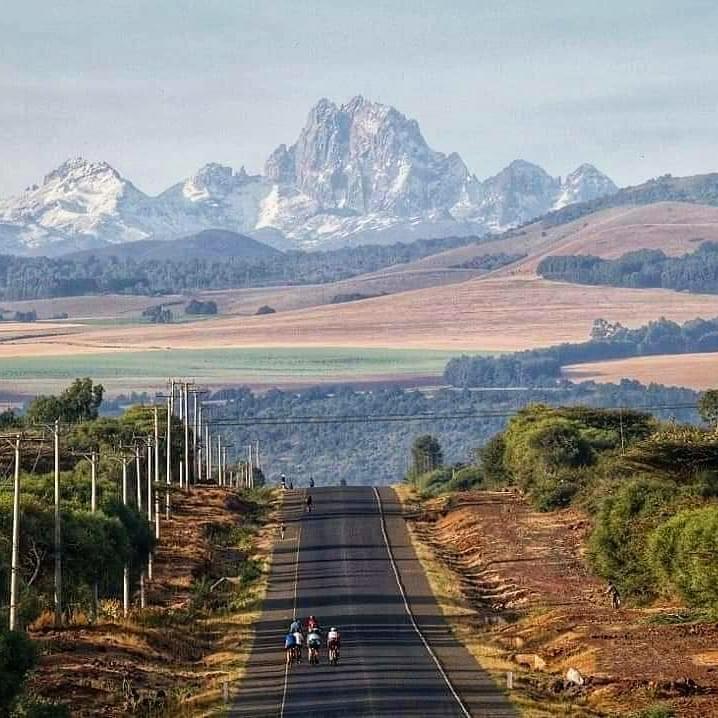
(491,461)
(266,309)
(553,492)
(33,708)
(197,307)
(684,555)
(617,546)
(17,657)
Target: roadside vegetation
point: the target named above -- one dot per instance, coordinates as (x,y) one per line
(629,501)
(650,488)
(193,633)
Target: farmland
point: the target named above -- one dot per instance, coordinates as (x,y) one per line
(146,370)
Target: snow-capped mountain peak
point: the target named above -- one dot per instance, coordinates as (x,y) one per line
(583,184)
(358,172)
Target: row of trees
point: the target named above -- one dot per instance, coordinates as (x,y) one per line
(693,272)
(542,367)
(43,277)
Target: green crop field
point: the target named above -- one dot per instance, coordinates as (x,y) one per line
(146,370)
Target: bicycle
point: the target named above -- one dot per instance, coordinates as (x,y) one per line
(333,655)
(313,656)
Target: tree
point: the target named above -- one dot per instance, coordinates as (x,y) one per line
(708,407)
(426,454)
(79,402)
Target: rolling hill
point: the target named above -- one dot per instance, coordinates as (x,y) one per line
(208,244)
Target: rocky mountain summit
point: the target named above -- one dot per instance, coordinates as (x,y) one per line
(360,172)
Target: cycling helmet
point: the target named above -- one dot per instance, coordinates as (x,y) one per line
(332,629)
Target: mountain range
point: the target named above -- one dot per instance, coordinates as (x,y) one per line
(358,173)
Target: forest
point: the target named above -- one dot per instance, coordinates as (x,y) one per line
(43,277)
(542,367)
(693,272)
(337,432)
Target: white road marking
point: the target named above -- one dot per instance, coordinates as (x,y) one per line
(294,611)
(409,613)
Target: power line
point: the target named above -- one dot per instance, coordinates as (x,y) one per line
(381,418)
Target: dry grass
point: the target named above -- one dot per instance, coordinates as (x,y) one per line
(528,568)
(162,660)
(468,623)
(697,371)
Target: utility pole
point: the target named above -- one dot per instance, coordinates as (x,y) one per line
(195,426)
(256,454)
(200,448)
(93,481)
(208,452)
(157,443)
(185,400)
(220,474)
(14,564)
(58,528)
(250,467)
(149,478)
(138,471)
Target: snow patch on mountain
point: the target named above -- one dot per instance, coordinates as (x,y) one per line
(358,172)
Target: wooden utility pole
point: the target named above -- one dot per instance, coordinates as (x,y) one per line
(58,527)
(93,481)
(208,452)
(220,476)
(185,398)
(149,478)
(195,428)
(15,560)
(138,472)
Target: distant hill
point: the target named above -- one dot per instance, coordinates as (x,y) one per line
(208,244)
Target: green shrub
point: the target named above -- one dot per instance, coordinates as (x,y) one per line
(34,708)
(684,555)
(470,477)
(617,546)
(491,461)
(17,657)
(553,492)
(659,711)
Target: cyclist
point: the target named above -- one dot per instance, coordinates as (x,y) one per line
(290,644)
(299,642)
(314,643)
(312,624)
(309,503)
(333,645)
(311,482)
(295,625)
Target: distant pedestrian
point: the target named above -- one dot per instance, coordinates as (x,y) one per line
(291,486)
(282,530)
(311,482)
(614,595)
(284,481)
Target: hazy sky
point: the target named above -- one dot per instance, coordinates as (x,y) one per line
(160,87)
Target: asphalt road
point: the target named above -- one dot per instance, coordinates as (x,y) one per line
(335,563)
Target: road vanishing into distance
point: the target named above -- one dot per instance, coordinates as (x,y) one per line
(351,564)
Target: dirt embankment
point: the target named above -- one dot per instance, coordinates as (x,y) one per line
(174,657)
(539,605)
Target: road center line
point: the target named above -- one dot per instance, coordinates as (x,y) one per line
(294,611)
(409,612)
